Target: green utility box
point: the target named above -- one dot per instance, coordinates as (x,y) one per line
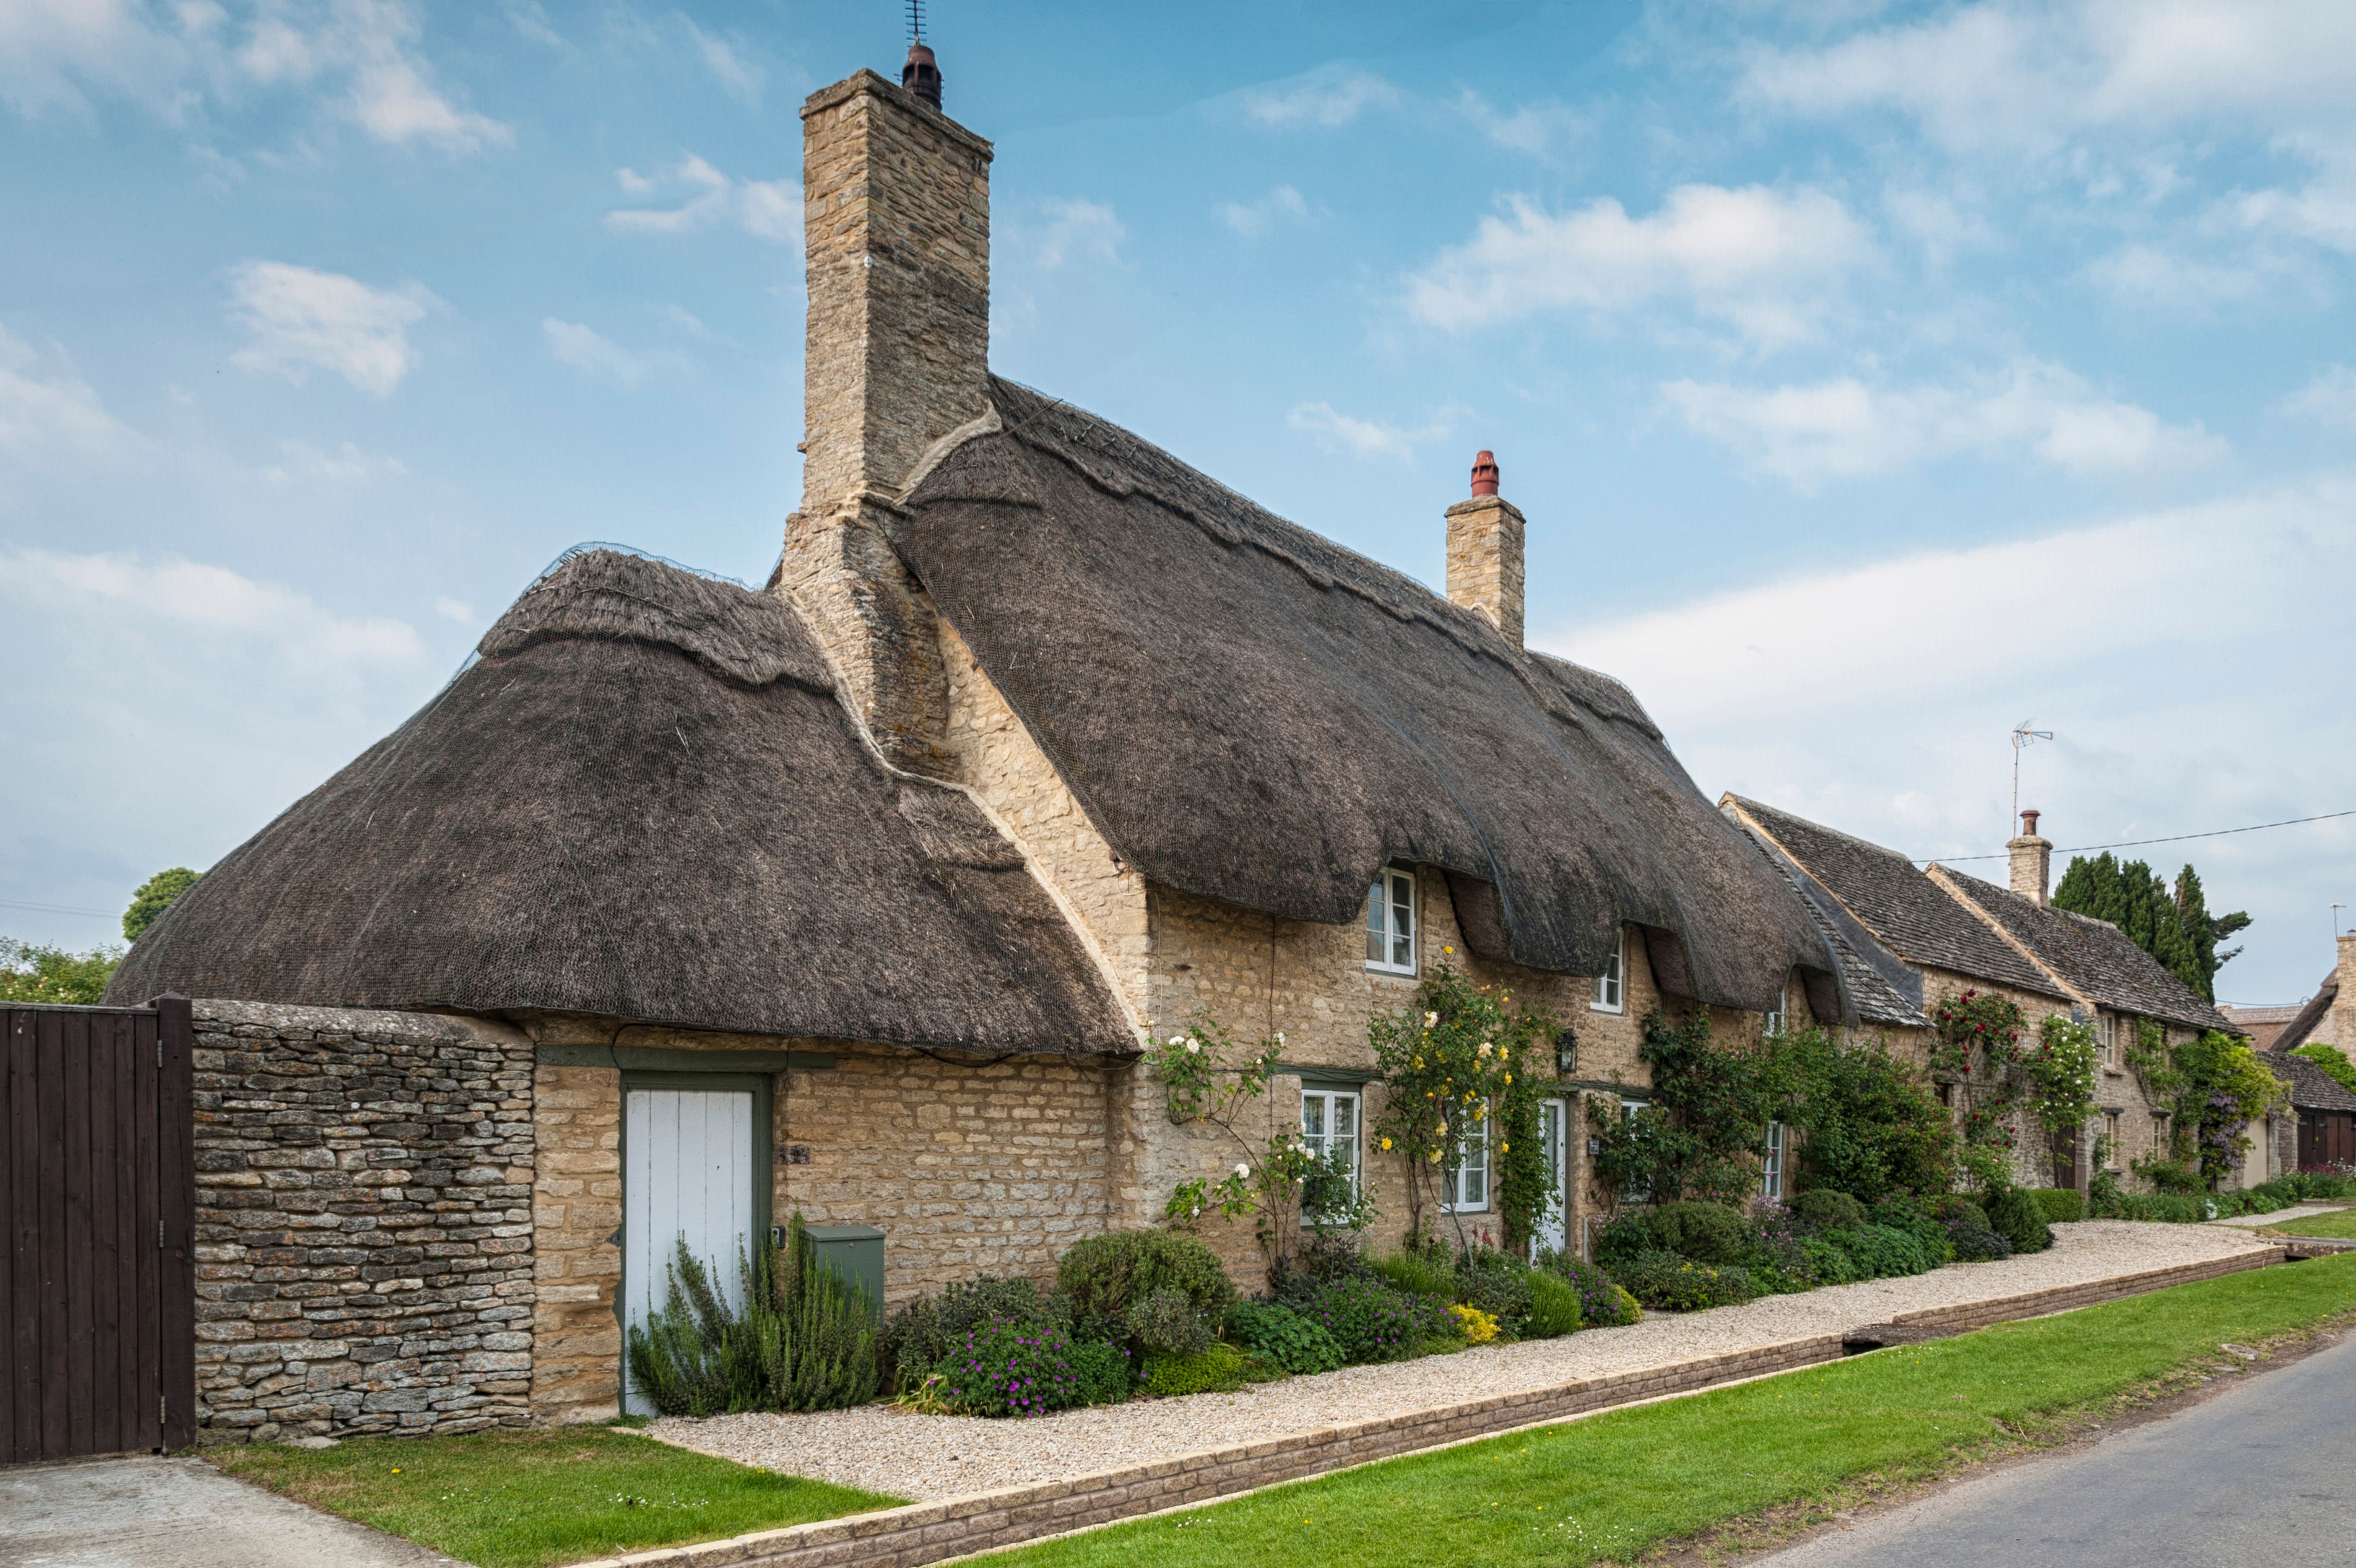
(855,1252)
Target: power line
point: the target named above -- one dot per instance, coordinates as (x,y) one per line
(51,909)
(2131,843)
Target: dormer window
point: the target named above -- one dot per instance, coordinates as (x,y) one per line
(1390,923)
(1610,985)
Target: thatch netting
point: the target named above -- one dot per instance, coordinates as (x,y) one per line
(644,802)
(1255,714)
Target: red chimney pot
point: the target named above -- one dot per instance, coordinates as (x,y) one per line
(2028,823)
(1484,474)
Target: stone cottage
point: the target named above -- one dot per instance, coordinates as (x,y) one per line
(1932,931)
(685,905)
(2324,1109)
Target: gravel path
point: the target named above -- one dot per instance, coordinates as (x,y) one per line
(928,1457)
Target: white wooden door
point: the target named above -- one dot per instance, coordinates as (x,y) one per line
(687,1170)
(1553,1123)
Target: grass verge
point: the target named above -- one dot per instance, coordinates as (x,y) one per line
(1741,1464)
(523,1500)
(2341,1224)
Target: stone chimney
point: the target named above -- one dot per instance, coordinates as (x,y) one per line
(2032,861)
(2343,1006)
(895,220)
(1485,552)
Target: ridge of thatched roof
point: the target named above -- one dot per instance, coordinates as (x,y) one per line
(1904,909)
(2097,958)
(1255,714)
(642,800)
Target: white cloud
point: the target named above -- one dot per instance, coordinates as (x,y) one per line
(592,353)
(362,55)
(2322,211)
(451,609)
(1078,229)
(1534,128)
(2329,399)
(703,197)
(737,77)
(2153,279)
(347,465)
(46,410)
(1337,432)
(298,319)
(208,601)
(1280,205)
(1759,258)
(2019,75)
(1845,428)
(1328,98)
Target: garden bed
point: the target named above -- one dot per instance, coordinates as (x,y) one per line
(883,1448)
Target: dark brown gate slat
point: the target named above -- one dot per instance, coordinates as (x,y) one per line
(108,1435)
(25,1234)
(8,1386)
(130,1388)
(81,1348)
(146,1123)
(51,1071)
(177,1154)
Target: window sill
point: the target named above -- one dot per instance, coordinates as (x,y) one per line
(1386,972)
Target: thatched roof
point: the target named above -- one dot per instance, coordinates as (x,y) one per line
(642,801)
(2309,1019)
(2096,957)
(1255,714)
(1904,909)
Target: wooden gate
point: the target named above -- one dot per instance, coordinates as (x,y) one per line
(97,1266)
(2326,1139)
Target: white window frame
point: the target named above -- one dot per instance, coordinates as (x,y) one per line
(1391,903)
(1327,1099)
(1610,991)
(1474,1158)
(1770,1165)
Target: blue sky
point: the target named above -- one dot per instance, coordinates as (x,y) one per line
(1874,377)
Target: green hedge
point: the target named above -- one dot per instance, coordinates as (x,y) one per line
(2061,1205)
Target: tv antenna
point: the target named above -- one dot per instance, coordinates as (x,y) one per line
(916,21)
(2022,736)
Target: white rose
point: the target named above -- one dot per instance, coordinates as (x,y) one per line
(1193,1046)
(1431,1020)
(1243,1170)
(1179,1040)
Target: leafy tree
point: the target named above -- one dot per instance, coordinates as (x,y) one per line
(2331,1059)
(34,973)
(2174,927)
(154,896)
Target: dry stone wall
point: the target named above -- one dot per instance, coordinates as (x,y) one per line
(363,1222)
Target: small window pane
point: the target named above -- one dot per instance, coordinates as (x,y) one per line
(1377,933)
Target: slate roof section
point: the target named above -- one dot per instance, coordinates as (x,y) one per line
(2094,956)
(643,800)
(1255,714)
(2311,1088)
(1903,910)
(1879,989)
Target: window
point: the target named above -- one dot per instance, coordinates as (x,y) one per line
(1772,1181)
(2159,1133)
(1771,1024)
(1465,1189)
(1608,986)
(1628,1108)
(1390,923)
(2112,1122)
(1329,1126)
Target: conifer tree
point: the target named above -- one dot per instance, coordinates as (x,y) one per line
(2175,928)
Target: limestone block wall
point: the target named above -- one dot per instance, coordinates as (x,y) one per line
(577,1268)
(363,1227)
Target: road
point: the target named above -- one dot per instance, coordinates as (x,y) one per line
(2262,1474)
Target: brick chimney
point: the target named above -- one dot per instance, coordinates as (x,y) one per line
(2032,860)
(1485,552)
(895,220)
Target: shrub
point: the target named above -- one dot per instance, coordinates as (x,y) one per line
(2182,1208)
(2060,1205)
(1498,1284)
(1901,1213)
(1554,1307)
(1417,1273)
(1881,1251)
(1282,1337)
(1680,1284)
(1828,1210)
(1103,1373)
(1953,1209)
(804,1337)
(1829,1263)
(1006,1368)
(1105,1275)
(1476,1325)
(923,1333)
(1706,1232)
(1368,1319)
(1216,1369)
(1601,1303)
(1974,1243)
(2015,1216)
(1164,1319)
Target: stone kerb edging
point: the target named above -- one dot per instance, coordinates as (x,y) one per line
(933,1531)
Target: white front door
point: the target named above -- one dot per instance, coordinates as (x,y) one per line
(687,1171)
(1553,1121)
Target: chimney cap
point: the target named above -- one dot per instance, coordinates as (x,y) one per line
(922,75)
(1484,473)
(2029,816)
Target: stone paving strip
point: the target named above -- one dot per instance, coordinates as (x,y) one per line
(954,1526)
(881,1448)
